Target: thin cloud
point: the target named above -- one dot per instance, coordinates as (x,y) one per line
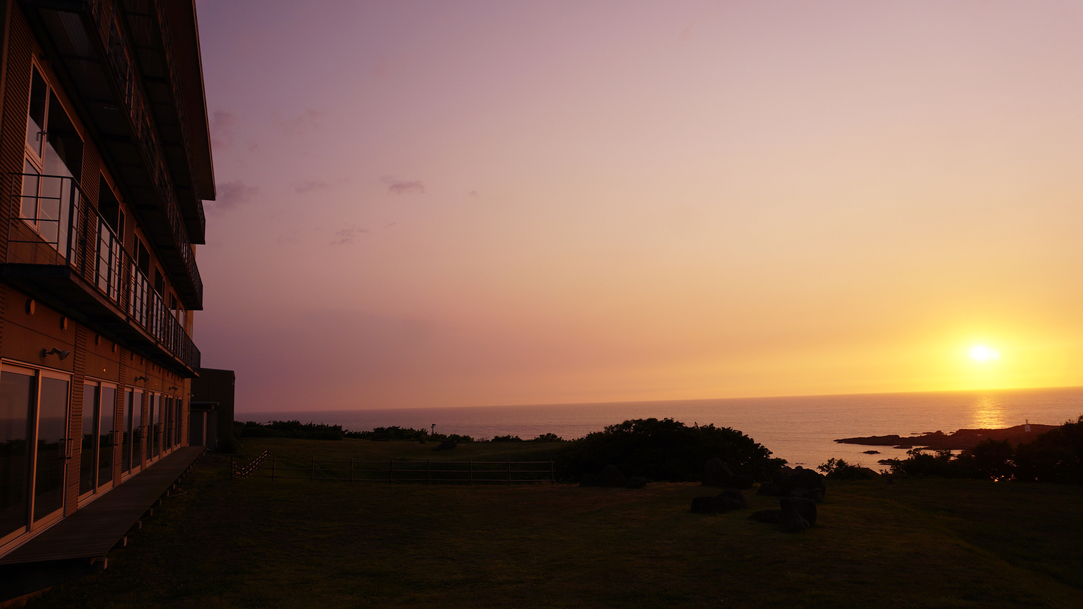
(292,237)
(307,121)
(316,185)
(222,134)
(473,193)
(232,195)
(402,187)
(310,186)
(347,236)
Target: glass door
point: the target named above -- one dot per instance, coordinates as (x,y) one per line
(99,438)
(168,423)
(89,453)
(126,421)
(107,437)
(33,448)
(52,449)
(156,426)
(16,405)
(139,430)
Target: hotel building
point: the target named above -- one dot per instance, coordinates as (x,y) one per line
(104,162)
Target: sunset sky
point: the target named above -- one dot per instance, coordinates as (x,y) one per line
(483,203)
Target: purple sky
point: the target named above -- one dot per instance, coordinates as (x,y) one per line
(475,203)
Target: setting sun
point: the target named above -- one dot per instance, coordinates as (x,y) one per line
(982,353)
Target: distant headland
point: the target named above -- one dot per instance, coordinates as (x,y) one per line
(962,439)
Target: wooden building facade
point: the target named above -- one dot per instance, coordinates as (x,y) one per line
(104,162)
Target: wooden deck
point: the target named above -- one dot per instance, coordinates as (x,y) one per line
(94,530)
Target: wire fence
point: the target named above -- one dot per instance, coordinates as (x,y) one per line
(244,471)
(417,472)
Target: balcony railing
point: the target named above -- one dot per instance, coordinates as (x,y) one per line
(120,58)
(182,118)
(63,232)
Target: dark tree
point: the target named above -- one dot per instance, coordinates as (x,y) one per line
(664,450)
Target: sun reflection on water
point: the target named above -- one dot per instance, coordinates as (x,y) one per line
(987,413)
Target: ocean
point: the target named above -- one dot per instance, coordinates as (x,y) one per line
(801,430)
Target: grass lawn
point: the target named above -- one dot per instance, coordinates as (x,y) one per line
(295,543)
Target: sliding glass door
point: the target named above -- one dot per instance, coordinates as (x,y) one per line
(99,445)
(34,448)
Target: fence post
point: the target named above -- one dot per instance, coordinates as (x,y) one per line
(428,472)
(351,469)
(471,464)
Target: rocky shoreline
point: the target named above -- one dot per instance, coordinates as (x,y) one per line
(962,439)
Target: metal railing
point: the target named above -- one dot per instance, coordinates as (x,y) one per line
(182,118)
(46,229)
(58,235)
(119,58)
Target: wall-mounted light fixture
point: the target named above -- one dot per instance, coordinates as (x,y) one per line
(173,388)
(54,351)
(139,378)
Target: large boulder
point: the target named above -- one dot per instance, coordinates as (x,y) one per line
(804,483)
(716,472)
(792,522)
(726,501)
(768,516)
(636,482)
(806,508)
(610,476)
(770,489)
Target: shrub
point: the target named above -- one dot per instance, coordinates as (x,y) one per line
(292,429)
(838,469)
(548,437)
(228,445)
(664,450)
(991,459)
(1054,456)
(391,433)
(506,439)
(939,463)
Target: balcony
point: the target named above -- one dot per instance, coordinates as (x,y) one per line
(129,94)
(65,254)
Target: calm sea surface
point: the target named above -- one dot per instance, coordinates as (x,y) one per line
(801,430)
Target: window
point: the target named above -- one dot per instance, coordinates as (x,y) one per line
(51,167)
(34,444)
